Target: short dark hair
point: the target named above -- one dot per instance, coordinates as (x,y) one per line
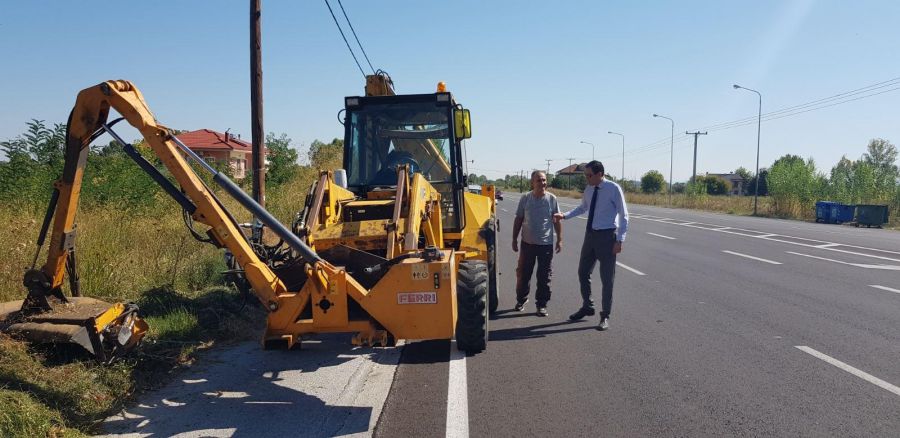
(537,172)
(595,166)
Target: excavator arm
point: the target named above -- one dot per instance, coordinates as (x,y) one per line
(88,118)
(46,314)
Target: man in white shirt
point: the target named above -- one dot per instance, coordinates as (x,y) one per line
(534,217)
(604,233)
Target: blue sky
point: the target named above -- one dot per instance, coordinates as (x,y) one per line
(539,77)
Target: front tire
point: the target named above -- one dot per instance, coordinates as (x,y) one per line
(471,298)
(493,275)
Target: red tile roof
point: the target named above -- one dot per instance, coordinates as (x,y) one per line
(571,169)
(207,140)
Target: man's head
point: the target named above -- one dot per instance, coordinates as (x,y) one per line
(538,181)
(594,172)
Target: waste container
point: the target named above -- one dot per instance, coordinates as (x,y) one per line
(845,213)
(826,212)
(870,215)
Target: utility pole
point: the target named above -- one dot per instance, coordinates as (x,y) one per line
(569,179)
(695,134)
(256,104)
(548,165)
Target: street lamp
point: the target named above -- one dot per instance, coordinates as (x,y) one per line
(758,129)
(592,148)
(671,155)
(623,151)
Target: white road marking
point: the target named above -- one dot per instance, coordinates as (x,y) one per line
(630,268)
(660,235)
(504,210)
(889,289)
(751,257)
(818,244)
(858,265)
(457,395)
(858,373)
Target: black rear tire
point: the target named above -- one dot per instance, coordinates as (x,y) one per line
(471,298)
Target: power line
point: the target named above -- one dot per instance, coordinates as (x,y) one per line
(767,119)
(354,36)
(345,39)
(868,88)
(794,110)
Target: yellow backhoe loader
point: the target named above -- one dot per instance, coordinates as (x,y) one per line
(425,272)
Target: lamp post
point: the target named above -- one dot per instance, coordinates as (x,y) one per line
(592,148)
(758,129)
(623,151)
(671,154)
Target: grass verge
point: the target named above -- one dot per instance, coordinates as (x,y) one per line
(59,391)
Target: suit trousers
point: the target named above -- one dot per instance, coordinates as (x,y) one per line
(598,246)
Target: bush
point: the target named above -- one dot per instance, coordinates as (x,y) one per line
(716,185)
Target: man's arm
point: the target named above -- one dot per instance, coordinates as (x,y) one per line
(622,211)
(557,225)
(517,226)
(575,212)
(622,228)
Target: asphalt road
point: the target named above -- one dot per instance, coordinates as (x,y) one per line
(723,325)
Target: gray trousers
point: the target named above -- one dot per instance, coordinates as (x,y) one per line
(598,246)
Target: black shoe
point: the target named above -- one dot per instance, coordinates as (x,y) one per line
(542,311)
(604,324)
(581,313)
(521,305)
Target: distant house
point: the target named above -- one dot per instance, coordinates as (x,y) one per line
(222,148)
(737,182)
(571,170)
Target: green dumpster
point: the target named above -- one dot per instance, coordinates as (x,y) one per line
(871,215)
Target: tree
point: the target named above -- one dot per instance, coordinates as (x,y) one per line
(35,160)
(881,156)
(39,143)
(652,182)
(763,183)
(746,175)
(794,184)
(282,159)
(326,156)
(840,183)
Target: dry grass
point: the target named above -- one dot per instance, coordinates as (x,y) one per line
(147,256)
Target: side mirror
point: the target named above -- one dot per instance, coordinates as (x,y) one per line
(463,124)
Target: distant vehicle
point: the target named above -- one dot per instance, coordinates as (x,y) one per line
(499,195)
(474,188)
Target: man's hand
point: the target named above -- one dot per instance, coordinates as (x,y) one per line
(559,246)
(558,217)
(617,247)
(515,243)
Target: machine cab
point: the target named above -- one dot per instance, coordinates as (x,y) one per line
(423,131)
